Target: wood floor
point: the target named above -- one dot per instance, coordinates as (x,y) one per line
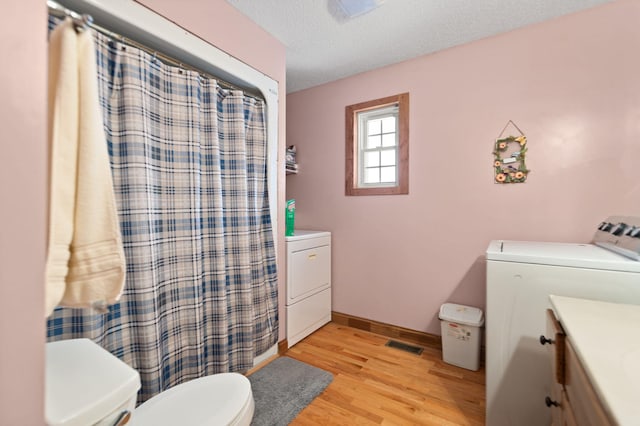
(378,385)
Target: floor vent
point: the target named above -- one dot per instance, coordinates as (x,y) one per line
(405,347)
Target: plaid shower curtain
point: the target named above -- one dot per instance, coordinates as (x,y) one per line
(189,164)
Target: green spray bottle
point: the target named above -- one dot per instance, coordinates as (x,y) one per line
(290,217)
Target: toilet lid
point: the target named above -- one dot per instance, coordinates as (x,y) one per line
(212,400)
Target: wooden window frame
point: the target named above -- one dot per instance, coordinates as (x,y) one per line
(351,153)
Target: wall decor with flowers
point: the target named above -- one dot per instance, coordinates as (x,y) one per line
(509,157)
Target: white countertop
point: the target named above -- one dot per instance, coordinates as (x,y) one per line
(303,234)
(606,337)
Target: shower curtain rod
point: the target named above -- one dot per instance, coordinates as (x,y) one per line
(86,21)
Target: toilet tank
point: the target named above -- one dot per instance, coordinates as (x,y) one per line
(86,385)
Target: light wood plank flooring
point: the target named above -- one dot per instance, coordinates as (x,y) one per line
(378,385)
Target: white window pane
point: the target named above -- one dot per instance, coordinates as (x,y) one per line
(373,141)
(372,175)
(389,125)
(388,174)
(389,139)
(372,159)
(388,158)
(374,127)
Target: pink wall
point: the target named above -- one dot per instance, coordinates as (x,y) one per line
(572,85)
(219,23)
(23,211)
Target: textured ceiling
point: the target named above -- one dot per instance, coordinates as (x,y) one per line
(322,46)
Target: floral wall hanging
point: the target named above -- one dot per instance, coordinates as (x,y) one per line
(509,157)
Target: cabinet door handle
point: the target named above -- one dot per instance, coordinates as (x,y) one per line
(123,418)
(312,256)
(544,340)
(550,402)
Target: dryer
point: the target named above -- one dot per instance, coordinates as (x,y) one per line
(308,283)
(520,277)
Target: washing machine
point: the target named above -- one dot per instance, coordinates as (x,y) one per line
(520,277)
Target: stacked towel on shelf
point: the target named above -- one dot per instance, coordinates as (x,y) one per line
(86,264)
(292,164)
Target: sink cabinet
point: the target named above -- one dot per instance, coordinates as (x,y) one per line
(572,399)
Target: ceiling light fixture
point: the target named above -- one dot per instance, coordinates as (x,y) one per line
(353,8)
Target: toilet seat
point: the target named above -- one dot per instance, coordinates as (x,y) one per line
(219,399)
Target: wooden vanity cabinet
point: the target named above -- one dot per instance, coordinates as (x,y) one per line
(572,399)
(582,398)
(554,341)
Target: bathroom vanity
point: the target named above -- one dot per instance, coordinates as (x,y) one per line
(308,283)
(593,349)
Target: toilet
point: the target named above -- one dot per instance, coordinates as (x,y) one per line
(86,385)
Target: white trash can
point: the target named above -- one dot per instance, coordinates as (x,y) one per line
(460,326)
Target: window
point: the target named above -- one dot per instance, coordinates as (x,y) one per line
(377,147)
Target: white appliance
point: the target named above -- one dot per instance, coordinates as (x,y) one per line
(520,277)
(308,283)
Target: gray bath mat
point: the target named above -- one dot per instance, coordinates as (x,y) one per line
(282,388)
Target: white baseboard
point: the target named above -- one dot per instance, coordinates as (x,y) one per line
(273,350)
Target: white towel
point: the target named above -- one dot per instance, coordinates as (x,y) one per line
(86,264)
(63,152)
